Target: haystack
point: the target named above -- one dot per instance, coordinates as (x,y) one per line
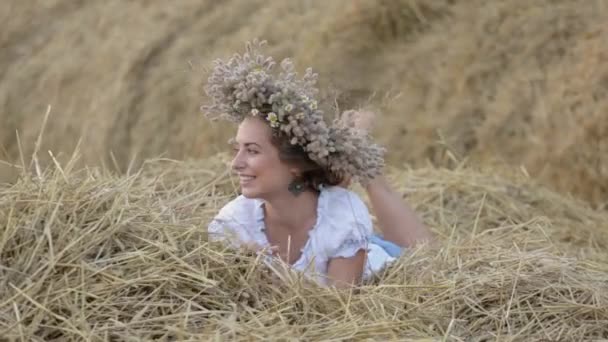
(517,81)
(130,82)
(90,255)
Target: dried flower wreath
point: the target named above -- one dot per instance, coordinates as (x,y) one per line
(249,85)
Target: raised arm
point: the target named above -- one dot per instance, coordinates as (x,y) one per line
(397,220)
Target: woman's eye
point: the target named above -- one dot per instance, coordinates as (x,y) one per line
(252,151)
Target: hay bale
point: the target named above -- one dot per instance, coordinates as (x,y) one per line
(125,76)
(482,202)
(130,87)
(517,82)
(88,254)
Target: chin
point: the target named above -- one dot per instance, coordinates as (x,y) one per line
(250,193)
(257,193)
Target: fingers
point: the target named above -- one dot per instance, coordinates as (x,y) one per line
(363,120)
(347,118)
(274,250)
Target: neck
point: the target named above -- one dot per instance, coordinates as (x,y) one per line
(291,211)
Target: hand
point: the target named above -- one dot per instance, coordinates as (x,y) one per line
(362,120)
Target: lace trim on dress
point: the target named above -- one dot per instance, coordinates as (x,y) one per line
(350,247)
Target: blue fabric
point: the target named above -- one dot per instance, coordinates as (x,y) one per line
(391,248)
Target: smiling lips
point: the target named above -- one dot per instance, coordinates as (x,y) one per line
(244,179)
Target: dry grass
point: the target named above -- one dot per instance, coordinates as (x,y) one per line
(90,255)
(516,81)
(122,75)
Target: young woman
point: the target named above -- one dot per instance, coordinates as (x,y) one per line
(291,166)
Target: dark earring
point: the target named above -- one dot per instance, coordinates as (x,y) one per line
(296,187)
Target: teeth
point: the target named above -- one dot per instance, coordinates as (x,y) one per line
(247,177)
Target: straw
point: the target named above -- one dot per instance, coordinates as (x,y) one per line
(89,255)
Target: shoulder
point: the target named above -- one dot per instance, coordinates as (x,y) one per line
(344,221)
(236,221)
(241,209)
(340,195)
(340,204)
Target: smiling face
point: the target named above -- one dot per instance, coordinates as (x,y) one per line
(261,172)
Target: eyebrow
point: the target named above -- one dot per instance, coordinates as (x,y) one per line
(247,144)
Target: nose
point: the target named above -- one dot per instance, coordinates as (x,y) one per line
(238,162)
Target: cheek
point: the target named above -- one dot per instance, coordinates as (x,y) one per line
(259,164)
(271,169)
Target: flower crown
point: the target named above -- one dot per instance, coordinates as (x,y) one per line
(248,85)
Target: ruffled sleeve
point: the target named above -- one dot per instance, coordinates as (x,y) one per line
(347,224)
(236,223)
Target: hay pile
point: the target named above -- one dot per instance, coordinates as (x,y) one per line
(519,81)
(130,83)
(88,255)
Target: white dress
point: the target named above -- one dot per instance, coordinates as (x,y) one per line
(343,227)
